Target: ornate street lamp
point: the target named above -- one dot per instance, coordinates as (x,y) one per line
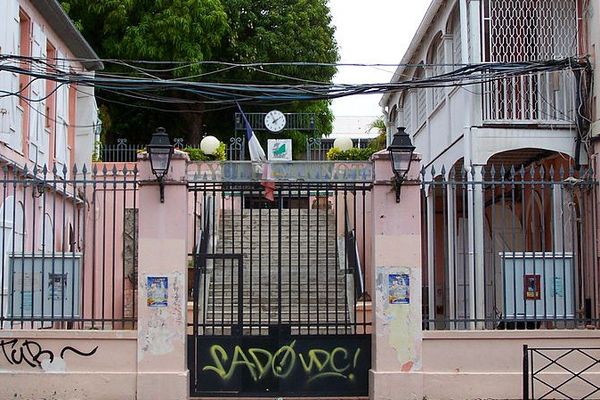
(160,152)
(401,150)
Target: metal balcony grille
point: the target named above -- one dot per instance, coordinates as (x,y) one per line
(528,30)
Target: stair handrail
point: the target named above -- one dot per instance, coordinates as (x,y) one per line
(200,257)
(352,254)
(204,235)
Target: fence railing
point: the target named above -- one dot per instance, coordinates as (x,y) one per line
(563,373)
(274,263)
(68,246)
(120,152)
(317,148)
(545,97)
(509,248)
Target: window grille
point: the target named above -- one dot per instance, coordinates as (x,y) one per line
(529,30)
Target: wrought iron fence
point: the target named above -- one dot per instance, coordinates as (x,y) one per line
(563,373)
(509,248)
(317,148)
(262,264)
(120,152)
(69,248)
(125,152)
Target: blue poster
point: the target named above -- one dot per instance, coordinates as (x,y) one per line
(399,288)
(157,289)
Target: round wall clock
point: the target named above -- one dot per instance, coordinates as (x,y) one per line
(275,121)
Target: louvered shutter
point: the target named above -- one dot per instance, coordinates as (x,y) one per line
(37,103)
(10,115)
(62,113)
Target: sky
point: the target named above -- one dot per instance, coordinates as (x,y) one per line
(374,32)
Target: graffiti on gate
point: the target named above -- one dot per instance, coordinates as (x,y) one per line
(315,363)
(30,352)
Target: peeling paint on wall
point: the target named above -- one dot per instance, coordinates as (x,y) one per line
(400,322)
(157,336)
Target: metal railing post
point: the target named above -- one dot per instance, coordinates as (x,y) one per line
(525,372)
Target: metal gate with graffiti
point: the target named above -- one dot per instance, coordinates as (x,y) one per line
(279,295)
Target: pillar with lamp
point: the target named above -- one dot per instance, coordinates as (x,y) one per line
(160,151)
(401,151)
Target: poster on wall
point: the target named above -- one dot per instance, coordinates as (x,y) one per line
(399,288)
(157,291)
(532,286)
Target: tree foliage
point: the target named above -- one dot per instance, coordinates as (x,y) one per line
(236,31)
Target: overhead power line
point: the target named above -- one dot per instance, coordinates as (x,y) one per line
(188,91)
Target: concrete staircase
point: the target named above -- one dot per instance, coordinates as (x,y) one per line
(291,274)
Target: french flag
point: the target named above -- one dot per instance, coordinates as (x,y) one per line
(257,154)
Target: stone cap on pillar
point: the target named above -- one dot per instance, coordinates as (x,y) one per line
(383,167)
(177,168)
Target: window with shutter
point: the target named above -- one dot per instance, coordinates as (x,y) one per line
(62,113)
(10,115)
(456,40)
(439,61)
(37,133)
(408,111)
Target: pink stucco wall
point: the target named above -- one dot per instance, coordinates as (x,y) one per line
(42,364)
(488,364)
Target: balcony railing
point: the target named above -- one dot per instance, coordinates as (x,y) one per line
(540,98)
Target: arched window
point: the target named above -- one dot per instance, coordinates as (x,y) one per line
(456,39)
(393,118)
(421,99)
(407,111)
(11,221)
(47,241)
(437,57)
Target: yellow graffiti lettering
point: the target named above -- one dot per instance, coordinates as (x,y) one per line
(279,368)
(344,354)
(218,367)
(239,358)
(261,363)
(313,356)
(263,368)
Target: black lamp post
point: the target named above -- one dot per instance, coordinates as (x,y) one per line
(401,150)
(160,152)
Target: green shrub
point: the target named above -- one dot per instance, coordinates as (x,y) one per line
(354,154)
(196,154)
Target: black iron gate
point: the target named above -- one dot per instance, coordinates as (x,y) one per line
(278,289)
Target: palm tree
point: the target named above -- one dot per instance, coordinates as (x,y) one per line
(379,143)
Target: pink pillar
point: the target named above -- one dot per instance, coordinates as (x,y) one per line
(396,258)
(162,283)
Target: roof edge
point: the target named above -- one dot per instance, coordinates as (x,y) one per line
(430,14)
(60,22)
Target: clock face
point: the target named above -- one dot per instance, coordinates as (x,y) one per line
(275,121)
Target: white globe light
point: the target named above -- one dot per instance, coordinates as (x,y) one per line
(343,143)
(209,145)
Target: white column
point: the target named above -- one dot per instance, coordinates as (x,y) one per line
(431,256)
(476,254)
(451,242)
